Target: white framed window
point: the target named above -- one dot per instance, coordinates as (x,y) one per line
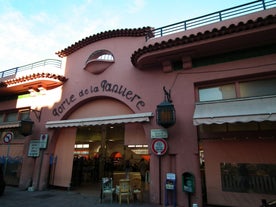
(238,89)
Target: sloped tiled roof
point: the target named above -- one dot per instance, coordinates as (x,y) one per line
(21,85)
(184,40)
(101,36)
(35,76)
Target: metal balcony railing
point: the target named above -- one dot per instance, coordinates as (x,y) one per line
(218,16)
(53,63)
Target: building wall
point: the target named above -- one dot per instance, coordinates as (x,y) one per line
(235,151)
(64,153)
(182,154)
(86,95)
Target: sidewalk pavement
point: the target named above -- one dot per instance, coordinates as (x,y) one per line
(14,197)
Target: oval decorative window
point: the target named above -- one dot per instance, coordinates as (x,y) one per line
(99,61)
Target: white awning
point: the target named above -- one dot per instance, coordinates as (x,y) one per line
(256,109)
(127,118)
(7,125)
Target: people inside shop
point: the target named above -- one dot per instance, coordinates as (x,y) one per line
(109,167)
(143,167)
(96,168)
(84,169)
(77,174)
(127,168)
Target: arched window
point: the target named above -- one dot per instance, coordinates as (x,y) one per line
(99,61)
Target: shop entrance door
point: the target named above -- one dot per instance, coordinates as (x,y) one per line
(100,151)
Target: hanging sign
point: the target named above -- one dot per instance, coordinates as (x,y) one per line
(7,137)
(159,146)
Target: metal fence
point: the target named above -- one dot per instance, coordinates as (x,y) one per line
(250,184)
(248,178)
(48,62)
(218,16)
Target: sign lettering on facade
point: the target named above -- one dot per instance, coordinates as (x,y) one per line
(159,133)
(105,87)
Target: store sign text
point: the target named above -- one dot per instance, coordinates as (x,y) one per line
(105,87)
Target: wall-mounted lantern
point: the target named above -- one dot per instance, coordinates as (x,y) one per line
(165,112)
(26,127)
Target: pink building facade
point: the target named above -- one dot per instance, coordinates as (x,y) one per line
(102,100)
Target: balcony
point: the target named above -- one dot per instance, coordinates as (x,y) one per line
(42,75)
(215,17)
(178,46)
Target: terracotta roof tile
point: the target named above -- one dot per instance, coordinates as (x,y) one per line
(32,77)
(233,28)
(101,36)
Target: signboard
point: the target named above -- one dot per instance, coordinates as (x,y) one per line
(7,137)
(43,141)
(34,148)
(171,176)
(159,146)
(158,133)
(170,181)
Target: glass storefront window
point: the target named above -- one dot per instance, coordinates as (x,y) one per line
(258,88)
(217,93)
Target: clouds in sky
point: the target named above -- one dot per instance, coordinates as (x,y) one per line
(33,30)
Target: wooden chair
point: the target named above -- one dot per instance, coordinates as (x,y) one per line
(136,189)
(123,190)
(107,188)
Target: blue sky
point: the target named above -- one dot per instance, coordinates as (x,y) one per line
(33,30)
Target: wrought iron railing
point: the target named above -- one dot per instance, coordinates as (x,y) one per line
(43,63)
(218,16)
(248,178)
(250,184)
